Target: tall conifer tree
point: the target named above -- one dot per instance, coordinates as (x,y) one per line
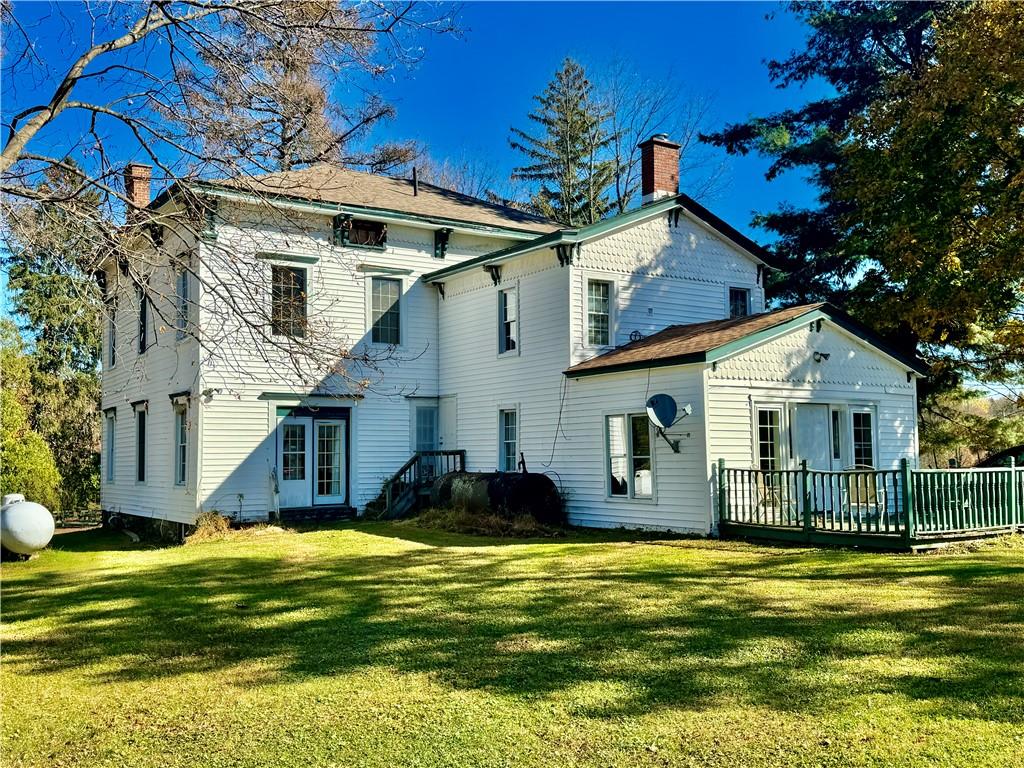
(568,158)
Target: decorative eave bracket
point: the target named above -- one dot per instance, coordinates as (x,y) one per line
(440,289)
(494,270)
(441,238)
(566,252)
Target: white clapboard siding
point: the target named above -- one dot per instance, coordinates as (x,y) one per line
(168,365)
(529,380)
(783,371)
(239,449)
(681,500)
(663,274)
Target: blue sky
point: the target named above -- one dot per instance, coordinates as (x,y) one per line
(467,91)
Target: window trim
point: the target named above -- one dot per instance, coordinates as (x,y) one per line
(630,495)
(401,309)
(613,309)
(180,446)
(587,280)
(141,445)
(110,452)
(728,300)
(182,303)
(512,288)
(276,330)
(502,410)
(143,324)
(870,411)
(112,333)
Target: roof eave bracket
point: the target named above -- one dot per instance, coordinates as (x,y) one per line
(494,270)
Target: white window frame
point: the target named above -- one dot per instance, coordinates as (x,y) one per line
(630,494)
(183,301)
(402,307)
(110,452)
(513,289)
(871,411)
(502,410)
(112,333)
(586,311)
(728,300)
(143,410)
(782,460)
(613,308)
(180,459)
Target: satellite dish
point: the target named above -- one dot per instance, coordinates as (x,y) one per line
(661,410)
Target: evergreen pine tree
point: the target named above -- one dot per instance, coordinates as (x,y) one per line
(568,160)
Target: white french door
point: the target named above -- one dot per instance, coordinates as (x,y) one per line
(312,461)
(330,461)
(294,468)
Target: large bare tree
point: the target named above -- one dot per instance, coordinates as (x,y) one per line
(197,89)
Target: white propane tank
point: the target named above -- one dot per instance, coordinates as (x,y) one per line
(25,527)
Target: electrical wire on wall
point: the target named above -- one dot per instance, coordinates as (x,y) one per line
(558,424)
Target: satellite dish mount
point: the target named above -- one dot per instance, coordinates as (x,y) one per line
(664,414)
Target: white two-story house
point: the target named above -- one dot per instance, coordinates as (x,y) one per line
(318,327)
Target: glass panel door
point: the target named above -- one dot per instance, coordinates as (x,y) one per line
(294,459)
(330,462)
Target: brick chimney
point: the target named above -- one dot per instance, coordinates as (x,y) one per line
(136,184)
(659,168)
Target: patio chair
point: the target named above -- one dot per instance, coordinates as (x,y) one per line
(863,499)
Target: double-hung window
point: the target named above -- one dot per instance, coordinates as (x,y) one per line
(112,333)
(739,302)
(110,448)
(182,302)
(863,438)
(288,301)
(143,320)
(508,426)
(180,444)
(141,417)
(630,456)
(385,310)
(599,297)
(508,320)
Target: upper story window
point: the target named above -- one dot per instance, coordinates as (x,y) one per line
(143,320)
(288,300)
(739,302)
(366,234)
(112,333)
(181,300)
(599,295)
(508,320)
(385,310)
(629,452)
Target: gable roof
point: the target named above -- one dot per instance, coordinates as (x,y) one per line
(572,236)
(714,340)
(355,192)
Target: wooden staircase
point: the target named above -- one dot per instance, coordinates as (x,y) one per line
(404,492)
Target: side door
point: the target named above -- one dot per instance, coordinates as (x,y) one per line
(295,462)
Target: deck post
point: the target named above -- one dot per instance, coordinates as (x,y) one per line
(1014,510)
(908,500)
(805,492)
(723,489)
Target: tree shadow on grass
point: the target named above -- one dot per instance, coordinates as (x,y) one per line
(800,632)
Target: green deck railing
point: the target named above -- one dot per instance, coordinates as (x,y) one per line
(907,504)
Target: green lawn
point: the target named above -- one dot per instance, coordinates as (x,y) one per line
(385,645)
